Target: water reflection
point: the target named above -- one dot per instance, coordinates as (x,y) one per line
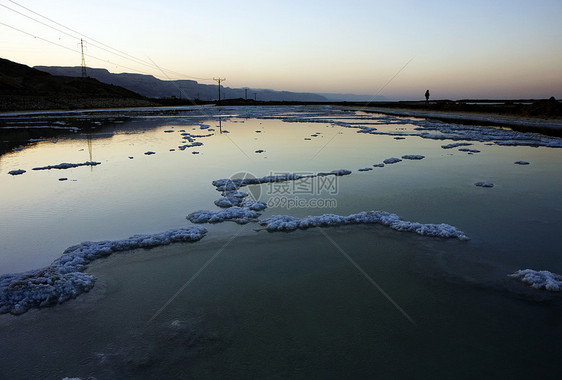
(284,305)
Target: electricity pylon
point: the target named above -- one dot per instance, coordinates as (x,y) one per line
(83,59)
(219,80)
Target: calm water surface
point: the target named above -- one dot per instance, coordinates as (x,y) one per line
(284,305)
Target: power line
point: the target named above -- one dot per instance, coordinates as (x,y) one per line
(119,53)
(389,81)
(175,84)
(395,75)
(40,38)
(72,50)
(70,35)
(62,31)
(40,22)
(72,30)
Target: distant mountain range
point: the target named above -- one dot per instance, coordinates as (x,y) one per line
(151,87)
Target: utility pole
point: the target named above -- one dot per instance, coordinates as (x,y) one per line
(219,80)
(83,60)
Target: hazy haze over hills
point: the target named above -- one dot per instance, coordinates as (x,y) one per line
(148,85)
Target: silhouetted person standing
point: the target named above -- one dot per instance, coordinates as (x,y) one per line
(427,96)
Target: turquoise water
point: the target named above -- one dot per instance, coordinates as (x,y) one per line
(354,301)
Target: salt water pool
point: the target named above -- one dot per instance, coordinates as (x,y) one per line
(420,288)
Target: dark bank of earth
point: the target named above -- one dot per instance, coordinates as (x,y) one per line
(545,108)
(24,88)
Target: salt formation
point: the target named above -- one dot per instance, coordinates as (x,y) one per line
(469,150)
(338,173)
(290,223)
(194,144)
(484,184)
(236,207)
(65,165)
(63,279)
(455,145)
(190,138)
(392,160)
(413,157)
(539,279)
(240,215)
(426,129)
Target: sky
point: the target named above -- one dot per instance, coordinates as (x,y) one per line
(398,49)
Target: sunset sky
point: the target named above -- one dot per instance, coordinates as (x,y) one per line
(471,49)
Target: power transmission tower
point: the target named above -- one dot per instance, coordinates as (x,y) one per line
(219,80)
(83,60)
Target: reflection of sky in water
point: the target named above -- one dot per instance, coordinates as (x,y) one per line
(280,303)
(147,194)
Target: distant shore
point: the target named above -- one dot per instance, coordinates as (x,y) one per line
(527,115)
(543,116)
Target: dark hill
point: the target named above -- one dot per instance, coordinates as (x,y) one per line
(23,88)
